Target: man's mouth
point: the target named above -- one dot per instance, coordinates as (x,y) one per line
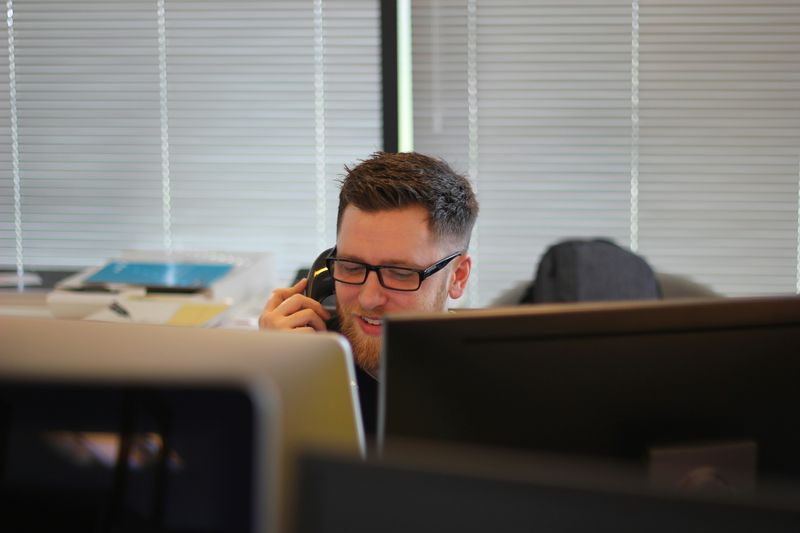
(371,326)
(372,321)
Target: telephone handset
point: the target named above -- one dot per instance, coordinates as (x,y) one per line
(321,286)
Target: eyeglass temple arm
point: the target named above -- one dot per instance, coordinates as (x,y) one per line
(433,269)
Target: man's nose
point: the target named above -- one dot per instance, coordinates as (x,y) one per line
(372,294)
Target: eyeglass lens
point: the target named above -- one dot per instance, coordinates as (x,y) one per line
(390,277)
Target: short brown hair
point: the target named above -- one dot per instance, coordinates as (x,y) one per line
(396,180)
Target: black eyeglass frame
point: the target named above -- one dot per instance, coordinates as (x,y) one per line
(422,274)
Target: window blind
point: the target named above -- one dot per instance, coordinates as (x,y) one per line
(551,122)
(267,102)
(87,103)
(667,127)
(720,142)
(191,124)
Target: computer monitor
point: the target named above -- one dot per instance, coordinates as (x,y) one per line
(428,489)
(700,392)
(211,422)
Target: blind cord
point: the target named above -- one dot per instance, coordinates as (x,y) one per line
(12,97)
(166,192)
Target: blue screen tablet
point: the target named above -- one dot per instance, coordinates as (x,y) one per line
(166,275)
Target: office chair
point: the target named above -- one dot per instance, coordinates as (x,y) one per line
(591,270)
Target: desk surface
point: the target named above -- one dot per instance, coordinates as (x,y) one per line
(28,303)
(33,303)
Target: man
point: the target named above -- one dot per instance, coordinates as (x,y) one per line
(402,233)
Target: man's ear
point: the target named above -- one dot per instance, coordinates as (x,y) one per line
(459,277)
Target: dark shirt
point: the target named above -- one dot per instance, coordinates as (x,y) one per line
(368,397)
(367,392)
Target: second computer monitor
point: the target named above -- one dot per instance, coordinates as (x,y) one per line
(701,392)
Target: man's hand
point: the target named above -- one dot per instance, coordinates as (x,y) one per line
(289,309)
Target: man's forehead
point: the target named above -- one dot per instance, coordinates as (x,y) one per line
(399,236)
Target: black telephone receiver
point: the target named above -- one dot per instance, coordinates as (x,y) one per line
(321,286)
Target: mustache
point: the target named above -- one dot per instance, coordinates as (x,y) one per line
(357,310)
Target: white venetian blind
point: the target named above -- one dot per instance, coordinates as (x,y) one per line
(439,59)
(241,125)
(720,141)
(267,102)
(549,142)
(190,123)
(87,102)
(668,127)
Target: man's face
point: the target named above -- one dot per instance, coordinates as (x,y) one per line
(397,237)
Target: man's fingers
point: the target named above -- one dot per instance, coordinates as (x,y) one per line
(288,309)
(298,302)
(300,285)
(305,318)
(278,296)
(302,319)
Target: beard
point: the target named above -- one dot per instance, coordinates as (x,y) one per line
(367,348)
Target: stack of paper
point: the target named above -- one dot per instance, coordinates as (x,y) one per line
(162,310)
(212,278)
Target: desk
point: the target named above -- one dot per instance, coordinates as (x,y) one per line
(33,303)
(28,303)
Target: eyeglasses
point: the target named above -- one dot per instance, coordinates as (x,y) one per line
(390,277)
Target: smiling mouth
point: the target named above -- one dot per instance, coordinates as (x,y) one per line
(372,321)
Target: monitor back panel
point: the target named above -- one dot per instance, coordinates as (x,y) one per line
(630,381)
(409,495)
